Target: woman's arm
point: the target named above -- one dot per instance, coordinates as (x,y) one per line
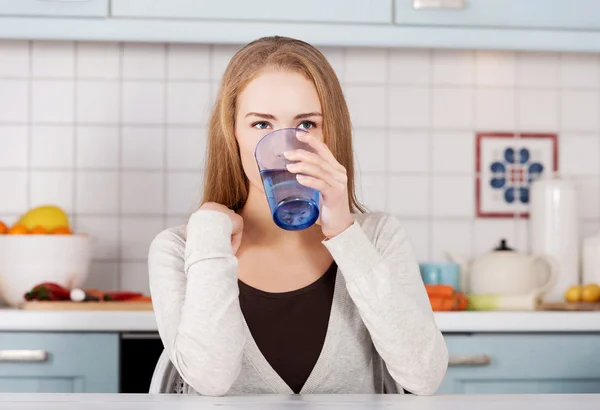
(384,282)
(193,283)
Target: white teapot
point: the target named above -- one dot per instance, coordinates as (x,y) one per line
(506,272)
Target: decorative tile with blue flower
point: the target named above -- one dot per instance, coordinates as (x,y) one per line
(506,164)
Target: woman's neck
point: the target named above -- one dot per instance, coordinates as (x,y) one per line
(260,228)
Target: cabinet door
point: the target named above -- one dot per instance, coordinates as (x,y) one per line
(59,363)
(342,11)
(67,8)
(538,14)
(515,364)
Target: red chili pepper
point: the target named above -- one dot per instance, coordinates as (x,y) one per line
(48,291)
(120,296)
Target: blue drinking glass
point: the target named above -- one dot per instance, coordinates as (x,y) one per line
(294,207)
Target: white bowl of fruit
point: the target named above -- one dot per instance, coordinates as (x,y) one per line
(41,247)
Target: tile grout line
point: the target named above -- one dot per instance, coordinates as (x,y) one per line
(430,158)
(119,253)
(165,196)
(476,177)
(75,174)
(387,142)
(29,122)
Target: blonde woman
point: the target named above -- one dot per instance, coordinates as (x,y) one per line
(245,307)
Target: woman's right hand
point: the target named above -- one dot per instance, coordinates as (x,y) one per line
(236,221)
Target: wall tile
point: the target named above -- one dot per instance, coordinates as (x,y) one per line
(137,234)
(14,99)
(98,60)
(579,154)
(409,195)
(409,152)
(104,232)
(143,103)
(496,68)
(367,105)
(453,67)
(451,237)
(52,146)
(98,102)
(184,192)
(370,150)
(589,196)
(366,65)
(371,191)
(221,54)
(537,110)
(580,70)
(580,110)
(52,188)
(143,61)
(489,232)
(453,108)
(523,243)
(143,148)
(188,103)
(103,275)
(134,277)
(537,69)
(188,62)
(186,148)
(495,109)
(418,234)
(14,182)
(336,58)
(97,147)
(142,193)
(177,220)
(97,192)
(453,152)
(409,107)
(453,196)
(14,58)
(52,101)
(53,59)
(407,66)
(13,140)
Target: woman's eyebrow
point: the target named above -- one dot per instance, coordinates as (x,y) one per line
(309,114)
(261,115)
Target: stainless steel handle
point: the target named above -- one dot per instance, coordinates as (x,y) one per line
(66,1)
(439,4)
(140,336)
(471,360)
(23,356)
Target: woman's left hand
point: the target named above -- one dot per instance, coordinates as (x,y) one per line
(322,172)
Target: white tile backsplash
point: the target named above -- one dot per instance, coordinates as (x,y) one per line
(116,133)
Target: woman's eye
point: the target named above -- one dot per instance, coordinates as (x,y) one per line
(307,125)
(261,125)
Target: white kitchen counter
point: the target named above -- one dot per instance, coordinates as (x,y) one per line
(338,402)
(457,322)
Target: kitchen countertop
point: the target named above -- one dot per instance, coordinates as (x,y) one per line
(450,322)
(404,402)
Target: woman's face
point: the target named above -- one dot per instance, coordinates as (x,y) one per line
(273,100)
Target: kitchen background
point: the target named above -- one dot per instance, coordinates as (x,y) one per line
(115,134)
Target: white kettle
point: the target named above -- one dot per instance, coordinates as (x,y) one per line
(506,272)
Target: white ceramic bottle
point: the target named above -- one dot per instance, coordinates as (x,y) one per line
(554,230)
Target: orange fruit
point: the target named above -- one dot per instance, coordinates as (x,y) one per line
(18,229)
(591,293)
(3,228)
(39,230)
(61,230)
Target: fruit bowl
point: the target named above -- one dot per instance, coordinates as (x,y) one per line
(27,260)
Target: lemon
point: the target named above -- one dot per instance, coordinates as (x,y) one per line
(47,216)
(574,293)
(591,293)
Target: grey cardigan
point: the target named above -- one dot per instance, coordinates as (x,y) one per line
(380,324)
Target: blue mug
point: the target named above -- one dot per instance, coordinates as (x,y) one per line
(441,273)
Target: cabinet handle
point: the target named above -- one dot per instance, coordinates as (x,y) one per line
(439,4)
(474,360)
(23,356)
(66,1)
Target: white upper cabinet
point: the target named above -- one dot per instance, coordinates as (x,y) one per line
(54,8)
(527,14)
(335,11)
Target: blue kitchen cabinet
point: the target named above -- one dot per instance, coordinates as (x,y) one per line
(259,11)
(522,363)
(59,362)
(54,8)
(524,14)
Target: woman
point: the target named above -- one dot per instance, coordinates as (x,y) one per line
(244,307)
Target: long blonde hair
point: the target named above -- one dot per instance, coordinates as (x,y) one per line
(225,181)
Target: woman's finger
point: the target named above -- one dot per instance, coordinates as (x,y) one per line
(304,156)
(315,183)
(315,171)
(322,149)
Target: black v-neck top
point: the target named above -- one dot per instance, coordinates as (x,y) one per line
(290,327)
